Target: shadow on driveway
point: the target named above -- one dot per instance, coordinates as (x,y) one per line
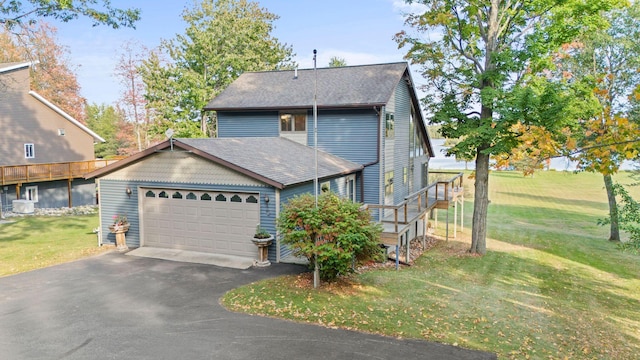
(121,307)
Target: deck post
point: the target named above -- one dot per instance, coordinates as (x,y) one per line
(424,230)
(462,212)
(455,217)
(70,192)
(447,226)
(408,241)
(435,217)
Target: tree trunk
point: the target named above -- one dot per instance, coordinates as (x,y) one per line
(613,209)
(480,205)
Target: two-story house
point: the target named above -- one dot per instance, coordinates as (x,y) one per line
(209,194)
(44,152)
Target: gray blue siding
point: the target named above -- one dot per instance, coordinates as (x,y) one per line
(252,124)
(372,190)
(401,143)
(286,195)
(350,134)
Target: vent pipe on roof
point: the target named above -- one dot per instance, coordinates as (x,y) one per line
(295,73)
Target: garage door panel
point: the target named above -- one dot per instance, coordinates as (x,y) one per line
(205,211)
(216,222)
(191,210)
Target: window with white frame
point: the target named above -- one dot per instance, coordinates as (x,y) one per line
(293,122)
(61,132)
(351,187)
(31,193)
(29,151)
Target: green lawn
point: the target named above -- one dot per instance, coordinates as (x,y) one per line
(35,242)
(550,287)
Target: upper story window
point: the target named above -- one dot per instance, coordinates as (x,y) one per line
(29,151)
(388,183)
(61,132)
(290,122)
(389,131)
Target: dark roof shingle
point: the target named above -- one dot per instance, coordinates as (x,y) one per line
(349,86)
(278,159)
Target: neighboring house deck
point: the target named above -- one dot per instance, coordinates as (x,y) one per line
(18,174)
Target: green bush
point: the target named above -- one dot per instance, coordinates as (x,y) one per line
(337,230)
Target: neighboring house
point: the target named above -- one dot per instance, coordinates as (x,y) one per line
(44,152)
(372,143)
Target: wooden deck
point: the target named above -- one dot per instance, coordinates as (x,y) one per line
(398,220)
(19,174)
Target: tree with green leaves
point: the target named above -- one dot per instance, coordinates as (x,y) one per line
(223,39)
(108,122)
(486,61)
(610,60)
(337,62)
(627,217)
(16,13)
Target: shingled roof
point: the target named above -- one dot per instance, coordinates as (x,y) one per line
(338,87)
(276,161)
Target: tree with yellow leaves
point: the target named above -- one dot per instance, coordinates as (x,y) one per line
(610,61)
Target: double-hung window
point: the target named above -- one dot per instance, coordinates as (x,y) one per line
(293,125)
(29,151)
(293,122)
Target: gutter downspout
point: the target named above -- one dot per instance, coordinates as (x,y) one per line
(381,156)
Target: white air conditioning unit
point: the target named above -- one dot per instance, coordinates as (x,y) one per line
(22,206)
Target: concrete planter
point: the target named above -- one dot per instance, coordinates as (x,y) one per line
(121,240)
(263,250)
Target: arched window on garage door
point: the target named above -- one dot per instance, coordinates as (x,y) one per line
(252,199)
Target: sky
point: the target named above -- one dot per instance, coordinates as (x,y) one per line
(359,31)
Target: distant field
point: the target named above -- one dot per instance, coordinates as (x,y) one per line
(550,287)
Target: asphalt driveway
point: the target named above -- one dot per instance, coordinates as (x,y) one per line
(122,307)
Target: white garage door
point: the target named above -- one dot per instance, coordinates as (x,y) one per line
(205,221)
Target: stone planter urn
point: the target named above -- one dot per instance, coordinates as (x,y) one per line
(263,250)
(120,230)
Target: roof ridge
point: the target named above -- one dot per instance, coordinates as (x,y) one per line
(15,65)
(325,67)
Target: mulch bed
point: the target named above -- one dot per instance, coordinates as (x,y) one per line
(343,283)
(415,250)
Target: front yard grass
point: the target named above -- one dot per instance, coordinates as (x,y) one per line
(550,287)
(34,242)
